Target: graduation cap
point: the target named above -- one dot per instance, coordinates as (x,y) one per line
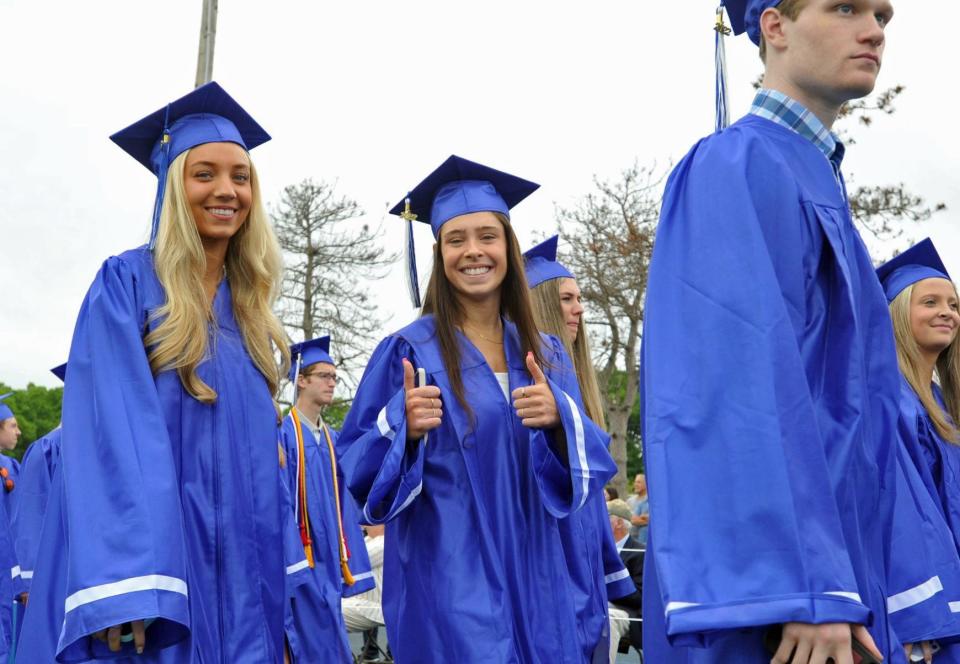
(919,262)
(308,353)
(5,412)
(205,115)
(60,372)
(457,187)
(744,17)
(541,263)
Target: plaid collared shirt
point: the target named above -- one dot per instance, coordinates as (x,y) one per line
(783,110)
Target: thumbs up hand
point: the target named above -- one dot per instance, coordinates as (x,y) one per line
(535,405)
(424,408)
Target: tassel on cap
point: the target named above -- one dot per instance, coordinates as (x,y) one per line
(413,283)
(164,166)
(722,110)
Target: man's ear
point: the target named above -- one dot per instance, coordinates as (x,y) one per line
(772,29)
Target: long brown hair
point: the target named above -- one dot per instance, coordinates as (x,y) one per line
(441,301)
(948,370)
(548,314)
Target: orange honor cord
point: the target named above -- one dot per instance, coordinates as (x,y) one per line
(303,522)
(344,551)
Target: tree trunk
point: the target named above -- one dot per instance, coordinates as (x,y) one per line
(617,419)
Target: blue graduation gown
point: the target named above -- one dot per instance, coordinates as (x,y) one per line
(11,581)
(924,567)
(936,464)
(9,501)
(769,382)
(473,568)
(315,628)
(168,509)
(10,585)
(936,460)
(33,489)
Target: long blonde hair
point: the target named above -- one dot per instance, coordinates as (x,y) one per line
(253,269)
(549,316)
(948,370)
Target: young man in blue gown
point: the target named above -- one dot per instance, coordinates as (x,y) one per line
(769,375)
(327,516)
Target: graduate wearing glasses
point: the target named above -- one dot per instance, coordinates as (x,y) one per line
(327,516)
(473,464)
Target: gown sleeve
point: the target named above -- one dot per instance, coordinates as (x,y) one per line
(122,512)
(616,576)
(359,561)
(735,461)
(923,561)
(27,518)
(295,560)
(566,484)
(382,471)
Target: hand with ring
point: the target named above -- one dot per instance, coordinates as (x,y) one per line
(423,405)
(535,404)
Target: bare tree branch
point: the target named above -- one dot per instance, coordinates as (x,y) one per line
(330,262)
(610,232)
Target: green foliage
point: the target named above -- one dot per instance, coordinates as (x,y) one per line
(336,413)
(37,410)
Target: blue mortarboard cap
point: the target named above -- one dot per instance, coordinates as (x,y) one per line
(458,186)
(919,262)
(5,412)
(60,372)
(206,115)
(745,16)
(541,263)
(307,353)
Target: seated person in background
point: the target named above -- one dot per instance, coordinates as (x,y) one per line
(625,608)
(611,492)
(364,612)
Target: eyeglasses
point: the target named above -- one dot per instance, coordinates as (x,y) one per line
(324,375)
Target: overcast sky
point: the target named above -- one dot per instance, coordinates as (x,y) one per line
(374,95)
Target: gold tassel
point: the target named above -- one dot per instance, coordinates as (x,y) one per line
(344,554)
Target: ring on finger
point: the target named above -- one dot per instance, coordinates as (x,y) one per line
(523,393)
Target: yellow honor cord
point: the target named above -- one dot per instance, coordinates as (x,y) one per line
(302,490)
(344,557)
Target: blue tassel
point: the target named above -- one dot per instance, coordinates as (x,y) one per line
(413,283)
(163,166)
(722,110)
